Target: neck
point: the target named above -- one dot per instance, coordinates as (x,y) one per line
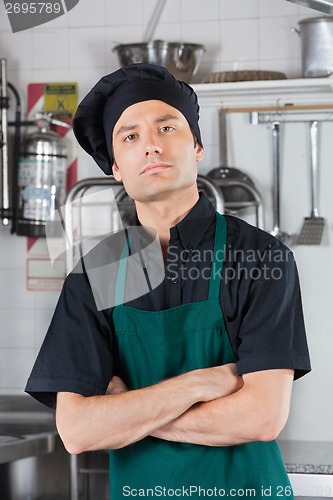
(161,215)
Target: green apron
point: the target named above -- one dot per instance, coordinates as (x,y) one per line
(151,346)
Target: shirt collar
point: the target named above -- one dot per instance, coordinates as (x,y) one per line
(192,228)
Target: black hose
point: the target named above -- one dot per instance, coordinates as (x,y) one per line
(16,156)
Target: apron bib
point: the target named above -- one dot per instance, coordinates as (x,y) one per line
(151,346)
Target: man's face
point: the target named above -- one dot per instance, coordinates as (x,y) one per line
(154,151)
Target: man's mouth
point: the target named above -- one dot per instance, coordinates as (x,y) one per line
(153,168)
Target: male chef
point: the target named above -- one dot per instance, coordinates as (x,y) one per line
(189,384)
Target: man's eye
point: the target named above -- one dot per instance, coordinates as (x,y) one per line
(167,128)
(130,137)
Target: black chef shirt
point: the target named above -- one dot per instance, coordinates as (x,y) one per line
(259,294)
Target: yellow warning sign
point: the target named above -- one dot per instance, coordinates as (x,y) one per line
(61,99)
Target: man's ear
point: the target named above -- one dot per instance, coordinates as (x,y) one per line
(199,154)
(116,173)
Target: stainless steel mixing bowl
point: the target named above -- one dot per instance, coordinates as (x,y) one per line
(181,59)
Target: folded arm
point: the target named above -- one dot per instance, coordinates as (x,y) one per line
(257,412)
(122,417)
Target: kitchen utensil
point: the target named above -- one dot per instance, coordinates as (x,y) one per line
(276,231)
(181,59)
(235,194)
(313,226)
(148,36)
(242,76)
(239,192)
(238,189)
(317,46)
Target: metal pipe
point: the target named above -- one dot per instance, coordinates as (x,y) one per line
(4,146)
(276,177)
(281,235)
(153,21)
(314,169)
(74,486)
(77,191)
(223,138)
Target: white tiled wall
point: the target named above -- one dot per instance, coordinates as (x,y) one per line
(237,34)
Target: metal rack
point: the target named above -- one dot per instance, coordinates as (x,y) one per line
(119,208)
(274,117)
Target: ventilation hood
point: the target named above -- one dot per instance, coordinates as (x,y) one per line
(325,6)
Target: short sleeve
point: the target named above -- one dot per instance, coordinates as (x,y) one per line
(267,325)
(76,353)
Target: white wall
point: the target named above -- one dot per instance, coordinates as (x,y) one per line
(238,34)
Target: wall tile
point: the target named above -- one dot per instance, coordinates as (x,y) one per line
(206,33)
(50,49)
(171,12)
(41,75)
(238,9)
(86,78)
(13,250)
(87,166)
(44,300)
(196,10)
(4,21)
(58,22)
(13,291)
(17,328)
(232,46)
(87,48)
(118,13)
(277,38)
(88,13)
(270,8)
(16,48)
(290,67)
(15,367)
(169,32)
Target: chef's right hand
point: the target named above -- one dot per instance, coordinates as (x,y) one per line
(218,381)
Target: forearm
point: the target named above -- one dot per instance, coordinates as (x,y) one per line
(114,421)
(257,412)
(124,416)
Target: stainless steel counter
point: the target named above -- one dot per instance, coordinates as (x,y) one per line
(314,457)
(26,429)
(310,467)
(32,457)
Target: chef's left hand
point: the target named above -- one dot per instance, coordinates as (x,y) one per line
(116,386)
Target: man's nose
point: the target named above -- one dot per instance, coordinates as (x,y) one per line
(152,148)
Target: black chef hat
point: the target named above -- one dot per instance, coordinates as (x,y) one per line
(99,111)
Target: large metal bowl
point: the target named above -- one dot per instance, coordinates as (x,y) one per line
(181,59)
